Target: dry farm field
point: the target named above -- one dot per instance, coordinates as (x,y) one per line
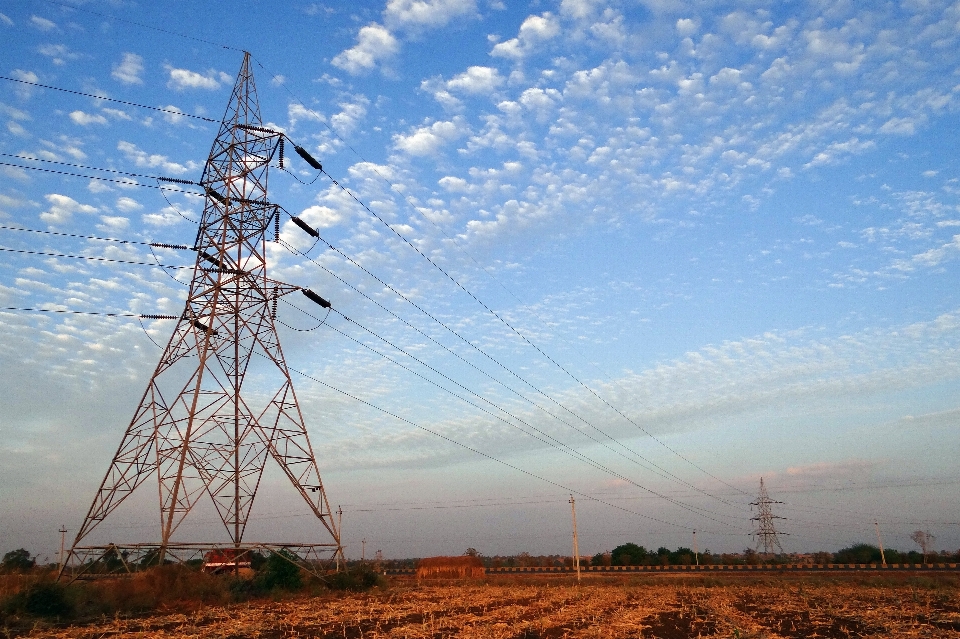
(602,607)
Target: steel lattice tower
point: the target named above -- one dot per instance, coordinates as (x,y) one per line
(766,533)
(195,428)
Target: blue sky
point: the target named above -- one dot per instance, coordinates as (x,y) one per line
(726,235)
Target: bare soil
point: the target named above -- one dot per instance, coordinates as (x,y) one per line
(525,609)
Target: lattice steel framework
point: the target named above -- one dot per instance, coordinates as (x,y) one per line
(766,534)
(195,428)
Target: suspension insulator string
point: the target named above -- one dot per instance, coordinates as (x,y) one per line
(309,159)
(313,297)
(309,230)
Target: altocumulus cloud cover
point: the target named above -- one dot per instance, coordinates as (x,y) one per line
(712,243)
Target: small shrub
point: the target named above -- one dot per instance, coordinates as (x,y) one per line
(45,599)
(280,572)
(356,580)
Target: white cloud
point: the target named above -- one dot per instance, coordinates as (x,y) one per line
(10,202)
(141,158)
(321,217)
(687,27)
(114,222)
(42,23)
(128,70)
(24,91)
(426,13)
(836,150)
(534,30)
(58,53)
(62,208)
(128,204)
(86,119)
(375,44)
(26,76)
(899,126)
(167,216)
(476,80)
(181,79)
(538,100)
(931,257)
(7,21)
(297,112)
(578,9)
(350,115)
(427,140)
(454,184)
(173,114)
(17,129)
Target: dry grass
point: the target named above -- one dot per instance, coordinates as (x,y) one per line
(669,608)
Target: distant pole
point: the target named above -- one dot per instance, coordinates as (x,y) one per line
(363,550)
(576,545)
(883,559)
(696,555)
(63,537)
(340,532)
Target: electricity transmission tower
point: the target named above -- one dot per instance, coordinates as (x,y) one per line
(766,533)
(197,428)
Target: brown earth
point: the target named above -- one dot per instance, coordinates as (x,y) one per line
(526,609)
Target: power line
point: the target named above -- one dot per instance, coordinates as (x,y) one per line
(103,179)
(102,239)
(539,436)
(145,26)
(97,168)
(92,258)
(53,310)
(100,97)
(388,225)
(523,337)
(655,467)
(477,451)
(553,442)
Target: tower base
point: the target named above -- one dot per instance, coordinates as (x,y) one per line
(119,560)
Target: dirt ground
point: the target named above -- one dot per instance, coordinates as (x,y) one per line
(526,609)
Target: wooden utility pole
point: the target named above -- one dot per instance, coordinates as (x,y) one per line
(363,550)
(576,544)
(696,555)
(883,559)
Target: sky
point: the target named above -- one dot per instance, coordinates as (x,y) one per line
(674,247)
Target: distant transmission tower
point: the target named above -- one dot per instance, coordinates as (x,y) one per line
(197,429)
(766,533)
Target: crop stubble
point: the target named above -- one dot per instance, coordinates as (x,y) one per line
(668,609)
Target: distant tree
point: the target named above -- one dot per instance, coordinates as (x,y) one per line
(857,554)
(925,540)
(18,560)
(471,552)
(601,559)
(628,555)
(524,559)
(681,557)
